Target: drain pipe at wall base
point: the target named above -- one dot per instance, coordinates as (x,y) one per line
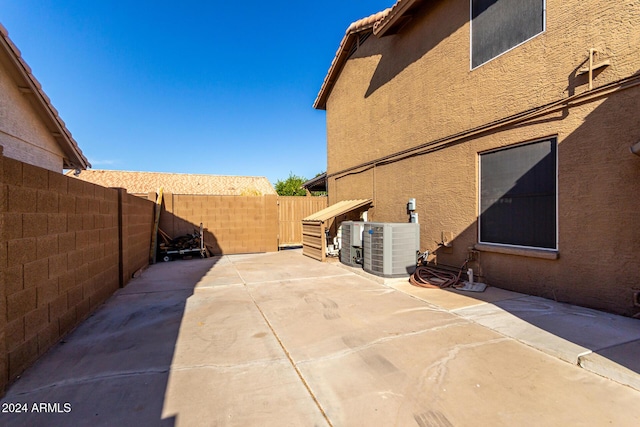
(635,148)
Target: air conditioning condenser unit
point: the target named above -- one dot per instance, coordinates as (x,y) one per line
(351,243)
(390,249)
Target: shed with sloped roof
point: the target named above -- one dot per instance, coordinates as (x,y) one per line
(315,226)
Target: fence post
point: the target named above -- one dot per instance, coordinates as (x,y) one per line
(122,237)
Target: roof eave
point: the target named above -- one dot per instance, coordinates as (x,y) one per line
(334,70)
(29,85)
(356,28)
(319,182)
(389,21)
(399,15)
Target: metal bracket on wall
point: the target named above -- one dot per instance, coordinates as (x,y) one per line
(592,66)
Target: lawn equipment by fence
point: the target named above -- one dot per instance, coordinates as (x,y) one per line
(182,246)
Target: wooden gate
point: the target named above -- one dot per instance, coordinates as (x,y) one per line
(291,211)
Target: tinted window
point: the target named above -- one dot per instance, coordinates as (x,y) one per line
(499,25)
(518,195)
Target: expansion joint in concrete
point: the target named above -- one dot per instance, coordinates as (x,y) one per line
(286,352)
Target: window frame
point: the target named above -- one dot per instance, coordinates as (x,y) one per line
(471,67)
(554,140)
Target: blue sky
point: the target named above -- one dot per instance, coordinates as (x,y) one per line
(212,87)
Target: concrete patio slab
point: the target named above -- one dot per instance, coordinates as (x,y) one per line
(124,400)
(255,394)
(171,276)
(344,315)
(600,342)
(280,339)
(129,335)
(619,363)
(562,330)
(462,376)
(222,327)
(450,299)
(284,265)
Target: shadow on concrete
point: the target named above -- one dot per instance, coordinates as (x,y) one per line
(600,342)
(114,368)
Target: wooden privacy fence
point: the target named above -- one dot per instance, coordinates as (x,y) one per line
(291,211)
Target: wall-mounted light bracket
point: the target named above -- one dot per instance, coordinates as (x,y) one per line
(592,66)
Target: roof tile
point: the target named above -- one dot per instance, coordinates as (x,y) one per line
(338,61)
(377,23)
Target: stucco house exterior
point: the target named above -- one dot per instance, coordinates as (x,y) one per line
(30,128)
(511,125)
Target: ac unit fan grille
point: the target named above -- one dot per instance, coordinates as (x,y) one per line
(390,248)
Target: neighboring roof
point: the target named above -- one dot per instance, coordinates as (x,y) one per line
(28,85)
(382,23)
(319,183)
(337,209)
(177,183)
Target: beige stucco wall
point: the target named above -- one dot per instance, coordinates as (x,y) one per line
(416,87)
(22,133)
